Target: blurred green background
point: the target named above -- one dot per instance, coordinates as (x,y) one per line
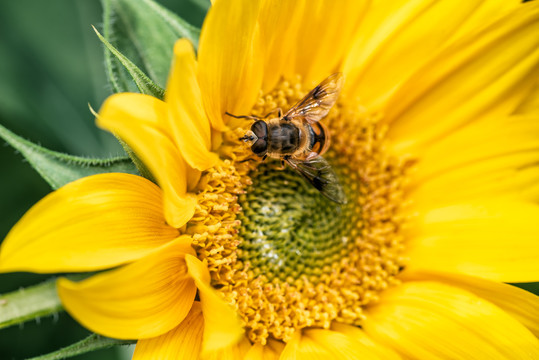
(51,68)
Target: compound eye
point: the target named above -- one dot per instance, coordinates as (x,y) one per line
(260,128)
(260,147)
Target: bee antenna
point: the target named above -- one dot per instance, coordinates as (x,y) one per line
(250,117)
(247,138)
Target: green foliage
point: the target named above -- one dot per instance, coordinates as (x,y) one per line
(59,169)
(145,33)
(141,32)
(144,84)
(91,343)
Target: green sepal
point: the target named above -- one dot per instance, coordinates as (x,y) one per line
(144,84)
(59,169)
(142,169)
(91,343)
(29,303)
(145,33)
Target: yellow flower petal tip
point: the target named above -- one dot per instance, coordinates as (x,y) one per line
(183,342)
(90,224)
(222,327)
(141,300)
(186,121)
(184,47)
(142,122)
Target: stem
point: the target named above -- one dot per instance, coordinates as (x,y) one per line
(26,304)
(91,343)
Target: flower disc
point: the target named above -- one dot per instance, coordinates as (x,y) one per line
(289,258)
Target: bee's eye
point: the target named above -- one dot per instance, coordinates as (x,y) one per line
(260,147)
(260,129)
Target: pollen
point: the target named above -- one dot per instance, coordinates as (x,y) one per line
(280,253)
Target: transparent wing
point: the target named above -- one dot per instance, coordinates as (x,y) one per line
(316,104)
(320,175)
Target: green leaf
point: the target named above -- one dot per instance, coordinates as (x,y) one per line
(144,84)
(183,28)
(30,303)
(145,33)
(59,169)
(117,75)
(203,4)
(91,343)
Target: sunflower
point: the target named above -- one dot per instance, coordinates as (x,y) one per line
(434,139)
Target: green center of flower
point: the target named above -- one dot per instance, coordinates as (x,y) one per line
(289,229)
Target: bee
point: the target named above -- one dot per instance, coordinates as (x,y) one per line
(298,139)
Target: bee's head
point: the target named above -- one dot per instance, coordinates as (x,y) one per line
(256,137)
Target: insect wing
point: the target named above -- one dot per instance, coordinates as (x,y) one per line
(320,175)
(316,104)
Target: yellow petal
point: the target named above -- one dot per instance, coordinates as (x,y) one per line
(398,37)
(359,335)
(235,351)
(497,137)
(474,78)
(496,240)
(144,299)
(484,159)
(222,327)
(487,12)
(279,23)
(429,320)
(188,124)
(325,34)
(230,59)
(321,344)
(90,224)
(139,119)
(183,342)
(512,176)
(520,304)
(271,351)
(531,103)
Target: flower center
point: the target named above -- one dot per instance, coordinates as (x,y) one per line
(282,254)
(289,229)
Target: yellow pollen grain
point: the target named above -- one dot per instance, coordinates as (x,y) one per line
(273,308)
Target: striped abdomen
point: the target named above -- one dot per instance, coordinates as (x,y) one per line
(319,137)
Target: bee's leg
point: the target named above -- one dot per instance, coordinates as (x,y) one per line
(280,168)
(248,159)
(278,110)
(264,157)
(283,162)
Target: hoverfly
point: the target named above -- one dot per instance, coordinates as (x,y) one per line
(299,139)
